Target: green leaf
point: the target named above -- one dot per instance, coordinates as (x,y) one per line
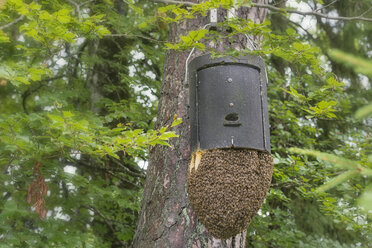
(3,37)
(63,16)
(168,135)
(56,118)
(176,122)
(44,15)
(22,80)
(67,114)
(35,74)
(294,92)
(298,46)
(290,31)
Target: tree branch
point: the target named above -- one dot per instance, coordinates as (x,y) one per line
(292,11)
(368,10)
(325,6)
(13,22)
(135,36)
(107,170)
(108,223)
(78,6)
(300,26)
(174,2)
(29,91)
(124,169)
(340,18)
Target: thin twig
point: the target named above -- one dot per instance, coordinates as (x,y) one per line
(86,2)
(30,91)
(292,11)
(108,223)
(325,6)
(368,10)
(135,36)
(174,2)
(106,170)
(13,22)
(126,170)
(77,7)
(300,26)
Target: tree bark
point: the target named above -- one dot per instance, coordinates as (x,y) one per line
(166,218)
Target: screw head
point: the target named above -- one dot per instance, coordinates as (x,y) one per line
(229,80)
(231,104)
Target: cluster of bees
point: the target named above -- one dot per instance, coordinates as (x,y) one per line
(227,187)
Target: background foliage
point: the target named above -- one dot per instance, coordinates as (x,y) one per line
(79,83)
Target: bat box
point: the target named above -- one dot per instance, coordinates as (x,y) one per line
(228,103)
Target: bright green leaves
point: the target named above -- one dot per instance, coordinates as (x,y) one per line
(71,133)
(63,132)
(35,74)
(176,121)
(19,74)
(291,49)
(48,54)
(132,5)
(179,13)
(8,73)
(286,46)
(297,96)
(290,31)
(176,13)
(62,16)
(323,108)
(190,40)
(91,28)
(49,27)
(333,84)
(3,37)
(46,27)
(20,7)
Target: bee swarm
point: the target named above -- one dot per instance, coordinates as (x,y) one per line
(226,188)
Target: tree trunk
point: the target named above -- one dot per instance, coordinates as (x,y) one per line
(166,218)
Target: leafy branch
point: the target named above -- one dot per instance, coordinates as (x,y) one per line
(285,10)
(12,23)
